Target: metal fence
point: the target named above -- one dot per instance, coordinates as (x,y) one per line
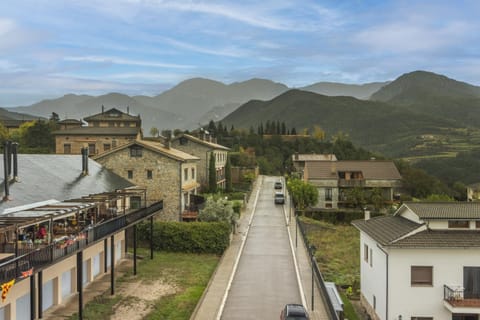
(42,257)
(330,309)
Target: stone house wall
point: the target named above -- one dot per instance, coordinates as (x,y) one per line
(77,142)
(165,182)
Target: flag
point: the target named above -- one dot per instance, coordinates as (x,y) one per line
(5,288)
(27,273)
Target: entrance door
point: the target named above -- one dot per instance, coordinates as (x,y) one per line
(471,282)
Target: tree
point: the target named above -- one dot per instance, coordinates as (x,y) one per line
(376,198)
(3,133)
(356,196)
(217,210)
(212,174)
(228,175)
(318,133)
(303,194)
(36,137)
(154,132)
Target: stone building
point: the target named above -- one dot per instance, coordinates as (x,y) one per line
(105,131)
(203,148)
(165,173)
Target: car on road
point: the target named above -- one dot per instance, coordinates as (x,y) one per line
(279,198)
(278,185)
(293,311)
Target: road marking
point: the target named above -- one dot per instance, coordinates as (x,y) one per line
(299,280)
(225,296)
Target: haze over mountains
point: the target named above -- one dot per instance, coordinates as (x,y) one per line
(412,115)
(185,106)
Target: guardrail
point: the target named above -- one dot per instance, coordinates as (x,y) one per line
(41,257)
(330,309)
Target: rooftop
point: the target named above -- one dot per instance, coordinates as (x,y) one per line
(203,142)
(371,169)
(444,210)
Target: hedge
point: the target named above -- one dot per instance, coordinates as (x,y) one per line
(191,237)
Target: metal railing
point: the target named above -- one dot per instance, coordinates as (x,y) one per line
(330,309)
(452,294)
(41,257)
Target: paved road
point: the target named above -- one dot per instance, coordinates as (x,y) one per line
(265,279)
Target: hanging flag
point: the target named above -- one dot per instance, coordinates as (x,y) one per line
(27,273)
(5,288)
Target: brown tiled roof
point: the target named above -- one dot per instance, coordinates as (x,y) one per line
(100,131)
(371,169)
(106,115)
(441,239)
(386,229)
(68,121)
(205,143)
(444,210)
(155,147)
(314,157)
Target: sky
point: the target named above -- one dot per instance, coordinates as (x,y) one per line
(49,48)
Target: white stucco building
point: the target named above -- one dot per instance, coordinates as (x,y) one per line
(422,263)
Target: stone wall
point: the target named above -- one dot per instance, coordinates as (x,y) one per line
(165,182)
(77,142)
(199,151)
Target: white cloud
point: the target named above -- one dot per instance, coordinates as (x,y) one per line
(123,61)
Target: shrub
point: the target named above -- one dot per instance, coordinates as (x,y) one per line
(193,237)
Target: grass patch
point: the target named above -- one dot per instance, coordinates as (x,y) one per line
(348,310)
(337,255)
(188,273)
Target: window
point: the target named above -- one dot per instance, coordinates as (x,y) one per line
(421,318)
(365,253)
(91,148)
(67,148)
(371,257)
(149,174)
(130,174)
(193,173)
(106,146)
(374,303)
(114,143)
(135,152)
(185,174)
(477,224)
(328,194)
(421,276)
(458,224)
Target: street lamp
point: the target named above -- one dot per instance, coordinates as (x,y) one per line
(312,253)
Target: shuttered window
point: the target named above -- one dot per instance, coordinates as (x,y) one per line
(421,275)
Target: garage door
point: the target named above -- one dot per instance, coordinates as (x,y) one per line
(47,299)
(23,307)
(66,284)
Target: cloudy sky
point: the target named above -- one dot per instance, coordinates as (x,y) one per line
(49,48)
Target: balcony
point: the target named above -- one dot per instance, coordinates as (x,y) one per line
(351,183)
(42,257)
(457,300)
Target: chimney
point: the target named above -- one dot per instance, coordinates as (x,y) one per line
(128,109)
(103,109)
(6,197)
(333,167)
(367,214)
(85,161)
(15,160)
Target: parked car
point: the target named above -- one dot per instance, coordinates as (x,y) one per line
(279,198)
(278,185)
(293,311)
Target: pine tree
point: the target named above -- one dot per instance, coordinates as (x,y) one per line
(228,175)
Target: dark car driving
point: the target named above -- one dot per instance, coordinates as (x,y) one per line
(278,185)
(294,311)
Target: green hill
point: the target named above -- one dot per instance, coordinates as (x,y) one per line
(392,130)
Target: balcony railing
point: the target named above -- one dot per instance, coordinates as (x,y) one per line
(351,183)
(456,296)
(44,256)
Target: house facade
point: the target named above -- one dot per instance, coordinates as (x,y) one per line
(105,131)
(83,211)
(336,179)
(422,262)
(165,173)
(204,149)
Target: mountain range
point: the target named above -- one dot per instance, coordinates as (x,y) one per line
(419,113)
(188,104)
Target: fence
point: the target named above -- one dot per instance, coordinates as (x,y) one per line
(329,307)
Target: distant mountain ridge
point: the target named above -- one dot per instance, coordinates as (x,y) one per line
(359,91)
